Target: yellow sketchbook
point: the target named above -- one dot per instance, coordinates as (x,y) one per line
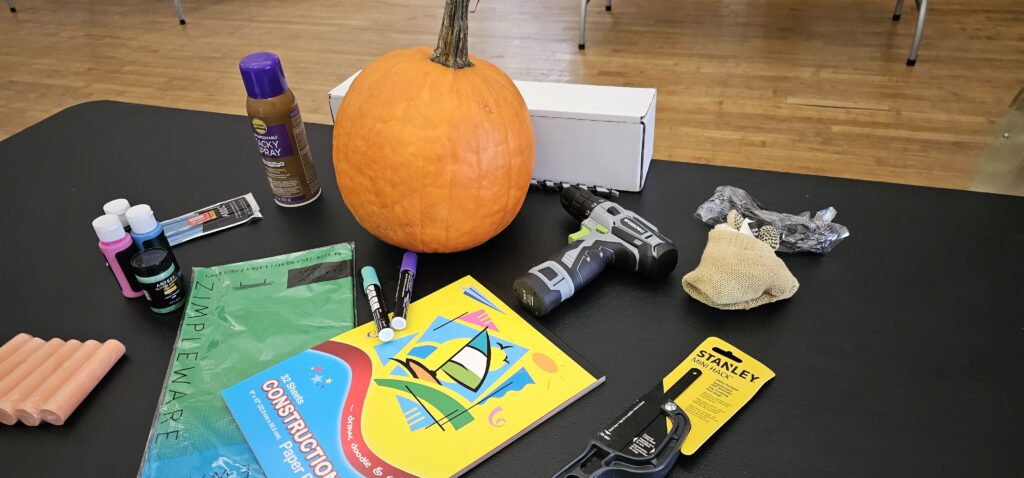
(465,378)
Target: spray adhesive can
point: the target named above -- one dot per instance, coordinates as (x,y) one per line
(279,131)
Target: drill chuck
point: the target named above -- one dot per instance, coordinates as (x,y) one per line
(579,202)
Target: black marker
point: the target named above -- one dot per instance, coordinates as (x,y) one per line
(378,309)
(404,295)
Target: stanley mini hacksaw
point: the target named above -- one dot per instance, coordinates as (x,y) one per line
(639,442)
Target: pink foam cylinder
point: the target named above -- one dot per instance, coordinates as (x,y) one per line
(18,357)
(14,378)
(28,410)
(13,345)
(9,402)
(67,398)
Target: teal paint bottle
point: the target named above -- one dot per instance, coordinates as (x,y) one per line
(161,279)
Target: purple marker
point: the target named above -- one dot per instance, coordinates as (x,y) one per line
(404,295)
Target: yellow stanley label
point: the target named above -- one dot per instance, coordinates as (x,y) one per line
(730,379)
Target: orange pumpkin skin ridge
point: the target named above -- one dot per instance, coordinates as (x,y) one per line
(430,158)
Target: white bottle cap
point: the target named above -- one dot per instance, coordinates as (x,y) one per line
(141,218)
(108,228)
(386,334)
(118,207)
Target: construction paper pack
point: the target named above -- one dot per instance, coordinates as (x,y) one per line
(466,377)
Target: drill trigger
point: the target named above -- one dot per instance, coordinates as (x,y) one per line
(579,234)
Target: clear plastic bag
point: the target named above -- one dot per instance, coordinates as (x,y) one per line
(241,318)
(800,232)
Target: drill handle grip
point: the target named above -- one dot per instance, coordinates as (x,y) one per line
(553,281)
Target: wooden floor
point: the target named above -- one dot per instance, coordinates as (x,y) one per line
(810,86)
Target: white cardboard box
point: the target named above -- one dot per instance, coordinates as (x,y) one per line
(586,134)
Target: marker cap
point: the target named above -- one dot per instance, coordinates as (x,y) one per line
(108,228)
(409,262)
(385,335)
(141,218)
(118,207)
(398,323)
(369,275)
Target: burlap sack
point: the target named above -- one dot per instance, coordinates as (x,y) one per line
(738,271)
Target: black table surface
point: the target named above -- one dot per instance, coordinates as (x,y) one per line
(901,354)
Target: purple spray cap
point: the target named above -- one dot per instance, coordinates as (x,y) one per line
(263,75)
(409,262)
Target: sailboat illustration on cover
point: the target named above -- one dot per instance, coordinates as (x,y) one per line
(467,367)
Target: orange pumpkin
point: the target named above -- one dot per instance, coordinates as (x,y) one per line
(433,151)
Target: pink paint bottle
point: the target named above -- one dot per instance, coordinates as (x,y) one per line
(118,248)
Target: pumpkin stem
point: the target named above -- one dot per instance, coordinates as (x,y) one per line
(453,41)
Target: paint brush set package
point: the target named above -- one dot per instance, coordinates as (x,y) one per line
(240,319)
(211,219)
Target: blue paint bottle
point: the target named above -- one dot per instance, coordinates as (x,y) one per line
(146,230)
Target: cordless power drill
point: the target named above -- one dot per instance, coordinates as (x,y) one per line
(609,234)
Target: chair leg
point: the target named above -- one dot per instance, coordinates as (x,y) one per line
(922,10)
(583,23)
(11,7)
(607,5)
(181,14)
(899,10)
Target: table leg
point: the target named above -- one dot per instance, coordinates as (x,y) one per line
(10,5)
(181,14)
(922,10)
(607,5)
(899,10)
(583,23)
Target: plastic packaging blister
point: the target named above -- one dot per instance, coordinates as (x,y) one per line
(800,232)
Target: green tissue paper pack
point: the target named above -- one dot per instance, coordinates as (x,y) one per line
(241,319)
